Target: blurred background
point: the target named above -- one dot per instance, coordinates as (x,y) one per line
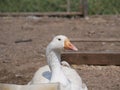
(23,38)
(98,7)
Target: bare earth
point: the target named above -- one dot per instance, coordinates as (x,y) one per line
(19,61)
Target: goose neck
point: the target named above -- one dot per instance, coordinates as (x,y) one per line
(53,59)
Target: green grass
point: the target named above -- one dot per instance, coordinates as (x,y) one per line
(104,6)
(95,6)
(31,5)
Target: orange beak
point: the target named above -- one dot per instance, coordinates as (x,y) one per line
(69,46)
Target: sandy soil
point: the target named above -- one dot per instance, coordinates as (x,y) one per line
(19,61)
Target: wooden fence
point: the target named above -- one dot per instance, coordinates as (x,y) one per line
(83,11)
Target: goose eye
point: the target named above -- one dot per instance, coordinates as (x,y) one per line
(59,39)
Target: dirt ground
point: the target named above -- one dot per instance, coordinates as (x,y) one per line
(20,60)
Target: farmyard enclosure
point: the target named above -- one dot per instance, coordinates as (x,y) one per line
(19,60)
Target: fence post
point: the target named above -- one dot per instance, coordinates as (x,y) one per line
(68,5)
(84,8)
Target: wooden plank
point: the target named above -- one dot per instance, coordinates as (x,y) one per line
(29,87)
(94,40)
(92,58)
(41,14)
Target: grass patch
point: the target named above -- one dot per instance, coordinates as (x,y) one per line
(95,6)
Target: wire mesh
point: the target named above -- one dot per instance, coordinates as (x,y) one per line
(38,5)
(101,7)
(98,7)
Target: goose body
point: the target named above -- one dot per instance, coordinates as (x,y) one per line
(54,72)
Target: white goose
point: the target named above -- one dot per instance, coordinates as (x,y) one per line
(65,75)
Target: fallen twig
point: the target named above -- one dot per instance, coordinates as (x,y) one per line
(21,41)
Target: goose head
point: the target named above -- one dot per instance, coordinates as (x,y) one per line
(61,42)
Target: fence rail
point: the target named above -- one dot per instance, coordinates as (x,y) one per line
(82,11)
(94,40)
(42,14)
